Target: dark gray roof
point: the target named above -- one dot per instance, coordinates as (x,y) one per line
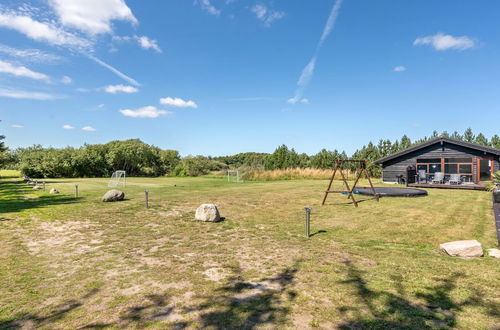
(440,139)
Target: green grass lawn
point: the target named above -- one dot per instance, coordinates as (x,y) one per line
(71,262)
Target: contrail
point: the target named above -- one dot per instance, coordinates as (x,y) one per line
(115,71)
(308,71)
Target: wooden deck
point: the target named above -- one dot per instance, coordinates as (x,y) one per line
(464,186)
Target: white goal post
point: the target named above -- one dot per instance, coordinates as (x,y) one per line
(118,177)
(233,176)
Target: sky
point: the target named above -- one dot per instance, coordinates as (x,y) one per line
(219,77)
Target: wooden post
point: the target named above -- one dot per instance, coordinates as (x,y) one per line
(146,197)
(76,190)
(331,181)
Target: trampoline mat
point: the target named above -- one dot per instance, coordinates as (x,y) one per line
(392,192)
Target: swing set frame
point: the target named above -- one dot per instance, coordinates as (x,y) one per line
(350,190)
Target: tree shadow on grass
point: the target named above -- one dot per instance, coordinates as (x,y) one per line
(34,321)
(12,198)
(239,304)
(387,310)
(247,305)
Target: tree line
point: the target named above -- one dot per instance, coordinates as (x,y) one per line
(140,159)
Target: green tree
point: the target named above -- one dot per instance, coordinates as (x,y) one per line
(495,141)
(481,139)
(469,135)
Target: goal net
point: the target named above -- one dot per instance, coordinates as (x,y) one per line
(233,176)
(118,178)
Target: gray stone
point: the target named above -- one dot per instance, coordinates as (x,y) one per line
(495,253)
(496,195)
(53,191)
(113,195)
(37,187)
(207,212)
(464,249)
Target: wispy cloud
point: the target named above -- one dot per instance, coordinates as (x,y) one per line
(330,23)
(308,71)
(178,102)
(30,55)
(41,31)
(441,42)
(266,15)
(115,71)
(207,6)
(145,112)
(74,13)
(147,43)
(16,126)
(22,71)
(68,127)
(88,129)
(113,89)
(92,17)
(20,94)
(66,80)
(399,68)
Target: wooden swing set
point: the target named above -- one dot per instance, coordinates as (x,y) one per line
(361,168)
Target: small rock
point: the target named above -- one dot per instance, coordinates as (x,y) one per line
(207,212)
(37,187)
(464,249)
(496,195)
(53,191)
(495,253)
(113,195)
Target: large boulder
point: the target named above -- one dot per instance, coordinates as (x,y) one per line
(207,212)
(113,195)
(53,191)
(464,249)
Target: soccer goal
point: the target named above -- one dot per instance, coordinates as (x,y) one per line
(233,176)
(118,177)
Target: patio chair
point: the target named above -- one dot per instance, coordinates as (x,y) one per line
(421,176)
(438,177)
(455,179)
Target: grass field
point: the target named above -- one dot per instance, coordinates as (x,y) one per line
(71,262)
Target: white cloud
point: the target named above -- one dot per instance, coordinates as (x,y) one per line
(208,7)
(399,68)
(442,42)
(113,89)
(178,102)
(147,43)
(330,23)
(68,127)
(16,126)
(101,105)
(41,31)
(265,15)
(304,101)
(92,16)
(20,94)
(115,71)
(30,55)
(88,129)
(66,80)
(308,71)
(145,112)
(22,71)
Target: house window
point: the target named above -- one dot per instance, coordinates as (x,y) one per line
(462,166)
(430,165)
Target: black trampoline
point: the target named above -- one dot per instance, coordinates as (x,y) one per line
(391,192)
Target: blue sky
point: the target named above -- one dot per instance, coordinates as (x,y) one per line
(218,77)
